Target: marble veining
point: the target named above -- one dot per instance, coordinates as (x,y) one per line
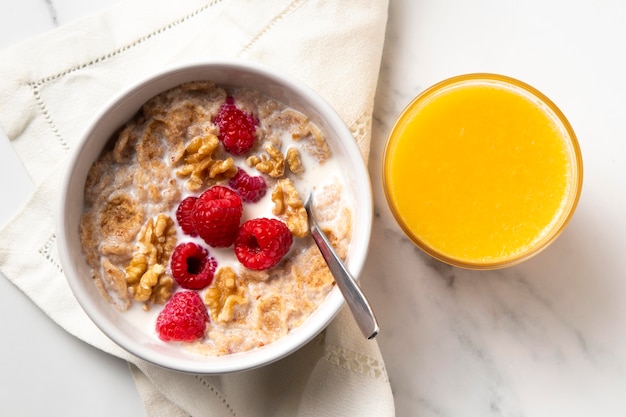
(52,11)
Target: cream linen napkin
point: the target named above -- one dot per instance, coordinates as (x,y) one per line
(52,85)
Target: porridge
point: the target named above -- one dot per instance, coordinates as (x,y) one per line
(194,222)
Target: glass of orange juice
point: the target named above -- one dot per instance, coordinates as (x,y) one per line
(482,171)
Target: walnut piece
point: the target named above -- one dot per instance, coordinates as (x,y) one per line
(224,295)
(149,279)
(137,267)
(162,291)
(145,274)
(294,162)
(289,205)
(272,163)
(200,165)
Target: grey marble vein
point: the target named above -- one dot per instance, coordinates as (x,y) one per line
(52,10)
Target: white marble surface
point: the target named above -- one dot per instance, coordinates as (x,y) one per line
(545,338)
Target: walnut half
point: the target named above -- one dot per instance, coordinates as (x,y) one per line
(200,164)
(289,205)
(224,295)
(145,274)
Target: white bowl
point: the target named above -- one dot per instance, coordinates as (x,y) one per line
(143,343)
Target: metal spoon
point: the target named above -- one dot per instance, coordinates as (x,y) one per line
(353,295)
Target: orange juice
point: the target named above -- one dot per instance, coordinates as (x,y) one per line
(482,171)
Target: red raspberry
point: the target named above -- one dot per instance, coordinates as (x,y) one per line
(251,189)
(184,318)
(216,215)
(262,243)
(183,215)
(237,128)
(192,267)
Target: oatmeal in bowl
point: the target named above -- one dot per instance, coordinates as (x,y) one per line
(182,231)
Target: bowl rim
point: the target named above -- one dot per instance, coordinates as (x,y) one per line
(195,363)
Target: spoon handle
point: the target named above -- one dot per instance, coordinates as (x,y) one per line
(353,295)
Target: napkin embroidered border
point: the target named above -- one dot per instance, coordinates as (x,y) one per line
(213,390)
(129,46)
(49,251)
(36,85)
(287,11)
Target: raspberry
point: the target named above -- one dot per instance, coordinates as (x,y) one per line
(192,267)
(183,215)
(251,189)
(216,215)
(184,318)
(237,128)
(262,243)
